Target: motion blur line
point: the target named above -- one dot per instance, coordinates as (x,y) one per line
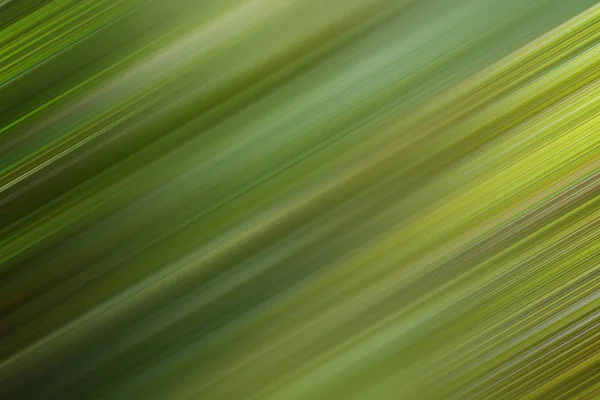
(300,199)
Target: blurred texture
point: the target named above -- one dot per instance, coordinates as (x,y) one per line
(299,199)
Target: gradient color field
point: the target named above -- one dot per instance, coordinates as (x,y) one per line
(299,199)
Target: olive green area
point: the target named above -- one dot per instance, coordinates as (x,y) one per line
(299,199)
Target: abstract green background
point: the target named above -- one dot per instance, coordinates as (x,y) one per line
(299,199)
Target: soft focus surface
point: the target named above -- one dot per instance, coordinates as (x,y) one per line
(299,199)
